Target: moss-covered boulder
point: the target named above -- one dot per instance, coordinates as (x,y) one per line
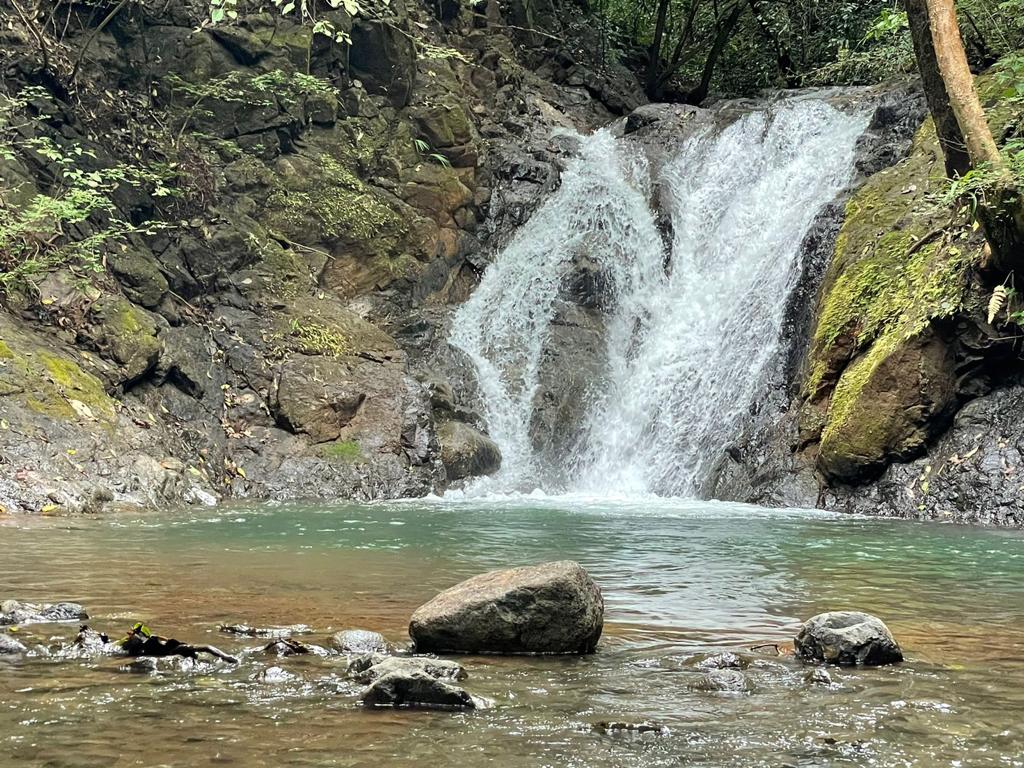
(881,375)
(38,377)
(126,335)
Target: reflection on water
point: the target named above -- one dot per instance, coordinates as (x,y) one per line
(679,579)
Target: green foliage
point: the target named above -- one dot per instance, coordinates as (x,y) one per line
(75,222)
(425,149)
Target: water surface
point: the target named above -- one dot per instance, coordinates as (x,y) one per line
(679,578)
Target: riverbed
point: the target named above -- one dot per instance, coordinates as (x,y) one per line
(680,579)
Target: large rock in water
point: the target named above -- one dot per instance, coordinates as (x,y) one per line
(553,608)
(465,452)
(416,689)
(847,637)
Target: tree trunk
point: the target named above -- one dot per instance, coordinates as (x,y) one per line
(956,74)
(654,63)
(1000,211)
(698,94)
(954,149)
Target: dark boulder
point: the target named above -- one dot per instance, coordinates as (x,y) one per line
(553,608)
(847,637)
(383,57)
(417,690)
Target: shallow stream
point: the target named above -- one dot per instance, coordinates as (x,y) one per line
(680,579)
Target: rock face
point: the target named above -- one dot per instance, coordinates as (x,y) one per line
(849,638)
(281,331)
(14,612)
(554,608)
(416,690)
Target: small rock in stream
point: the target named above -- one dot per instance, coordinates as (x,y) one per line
(9,646)
(360,641)
(612,728)
(373,666)
(274,676)
(287,647)
(417,690)
(725,660)
(722,681)
(15,612)
(245,630)
(819,676)
(847,637)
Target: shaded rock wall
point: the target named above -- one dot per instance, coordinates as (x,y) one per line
(284,336)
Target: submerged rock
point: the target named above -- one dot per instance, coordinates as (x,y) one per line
(722,681)
(724,660)
(553,608)
(10,646)
(271,632)
(371,667)
(15,612)
(288,647)
(360,641)
(847,637)
(274,676)
(615,728)
(418,690)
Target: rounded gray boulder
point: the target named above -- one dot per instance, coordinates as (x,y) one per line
(552,608)
(849,638)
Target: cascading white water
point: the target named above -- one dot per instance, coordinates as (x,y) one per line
(602,210)
(690,346)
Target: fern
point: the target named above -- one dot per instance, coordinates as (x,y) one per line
(997,303)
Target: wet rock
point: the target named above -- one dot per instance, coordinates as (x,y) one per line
(847,637)
(274,676)
(725,660)
(288,647)
(722,681)
(616,728)
(466,452)
(144,666)
(272,632)
(14,612)
(360,641)
(417,690)
(551,608)
(819,676)
(9,646)
(368,668)
(89,642)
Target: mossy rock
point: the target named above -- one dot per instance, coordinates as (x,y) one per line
(140,276)
(880,382)
(48,383)
(125,334)
(887,406)
(324,327)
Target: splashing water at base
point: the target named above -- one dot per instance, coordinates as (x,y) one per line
(692,337)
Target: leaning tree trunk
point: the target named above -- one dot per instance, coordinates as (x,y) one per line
(698,94)
(954,150)
(1001,213)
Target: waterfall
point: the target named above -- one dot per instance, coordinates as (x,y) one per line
(692,335)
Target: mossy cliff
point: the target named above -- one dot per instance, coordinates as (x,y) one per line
(316,206)
(900,317)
